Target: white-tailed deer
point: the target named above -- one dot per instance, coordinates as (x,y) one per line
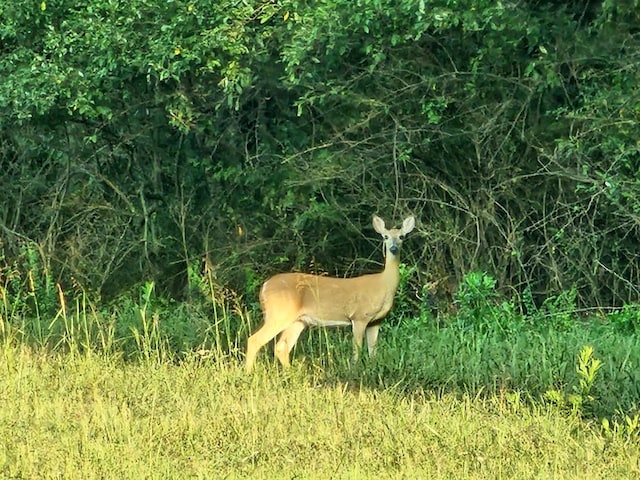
(292,301)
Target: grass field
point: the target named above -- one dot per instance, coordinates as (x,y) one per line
(485,393)
(83,416)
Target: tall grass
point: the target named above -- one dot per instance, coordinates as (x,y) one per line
(87,416)
(148,388)
(488,345)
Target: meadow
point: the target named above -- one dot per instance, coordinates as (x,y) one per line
(487,391)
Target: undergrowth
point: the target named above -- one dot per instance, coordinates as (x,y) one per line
(489,345)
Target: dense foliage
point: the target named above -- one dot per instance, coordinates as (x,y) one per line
(144,140)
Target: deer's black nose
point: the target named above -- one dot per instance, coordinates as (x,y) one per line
(393,249)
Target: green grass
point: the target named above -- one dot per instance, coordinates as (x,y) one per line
(416,354)
(94,416)
(151,389)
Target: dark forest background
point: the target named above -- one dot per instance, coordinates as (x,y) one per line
(146,141)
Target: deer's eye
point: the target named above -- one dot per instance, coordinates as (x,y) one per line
(401,237)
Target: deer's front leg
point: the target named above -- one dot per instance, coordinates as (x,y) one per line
(372,338)
(358,337)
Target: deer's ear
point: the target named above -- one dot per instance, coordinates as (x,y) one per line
(408,225)
(378,225)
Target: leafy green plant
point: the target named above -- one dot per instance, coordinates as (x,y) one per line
(581,399)
(557,311)
(476,296)
(626,319)
(480,306)
(587,369)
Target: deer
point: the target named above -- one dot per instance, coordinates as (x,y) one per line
(291,302)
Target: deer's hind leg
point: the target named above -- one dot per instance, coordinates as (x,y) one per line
(259,340)
(287,341)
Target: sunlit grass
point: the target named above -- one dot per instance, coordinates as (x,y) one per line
(152,389)
(88,416)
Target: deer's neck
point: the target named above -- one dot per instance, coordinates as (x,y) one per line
(391,272)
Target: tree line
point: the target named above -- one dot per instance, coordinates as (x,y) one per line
(142,140)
